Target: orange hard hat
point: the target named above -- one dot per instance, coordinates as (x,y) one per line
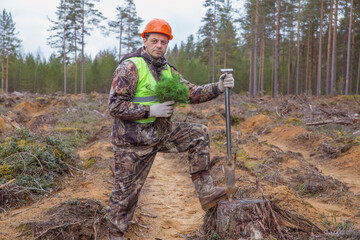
(158,26)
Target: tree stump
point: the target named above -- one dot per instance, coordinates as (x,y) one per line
(242,219)
(254,220)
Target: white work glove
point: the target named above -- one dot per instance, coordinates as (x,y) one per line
(164,109)
(226,80)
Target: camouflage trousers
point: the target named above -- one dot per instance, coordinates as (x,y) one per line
(132,165)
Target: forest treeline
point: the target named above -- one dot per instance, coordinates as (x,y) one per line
(275,47)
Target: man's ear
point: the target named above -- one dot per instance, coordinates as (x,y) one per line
(144,40)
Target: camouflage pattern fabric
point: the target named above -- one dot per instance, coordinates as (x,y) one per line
(126,132)
(132,165)
(203,183)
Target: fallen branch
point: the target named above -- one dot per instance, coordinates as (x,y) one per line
(184,237)
(276,110)
(17,213)
(75,168)
(57,227)
(101,114)
(147,215)
(8,183)
(343,122)
(135,221)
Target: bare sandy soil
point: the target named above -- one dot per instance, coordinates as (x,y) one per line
(305,164)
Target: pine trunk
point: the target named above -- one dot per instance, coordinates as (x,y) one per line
(2,73)
(311,64)
(298,52)
(7,71)
(82,47)
(261,84)
(76,63)
(253,94)
(251,72)
(318,80)
(348,50)
(251,76)
(283,67)
(289,64)
(358,77)
(273,71)
(128,33)
(64,59)
(352,61)
(120,39)
(276,76)
(328,65)
(333,60)
(307,58)
(213,45)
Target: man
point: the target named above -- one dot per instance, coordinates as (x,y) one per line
(135,133)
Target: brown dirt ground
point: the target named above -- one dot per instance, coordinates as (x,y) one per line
(168,206)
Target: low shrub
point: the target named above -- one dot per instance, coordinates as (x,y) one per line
(35,162)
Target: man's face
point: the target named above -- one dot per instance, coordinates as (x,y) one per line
(156,44)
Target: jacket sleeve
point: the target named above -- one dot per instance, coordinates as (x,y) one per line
(123,89)
(201,93)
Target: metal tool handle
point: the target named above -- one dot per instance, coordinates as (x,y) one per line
(230,164)
(228,125)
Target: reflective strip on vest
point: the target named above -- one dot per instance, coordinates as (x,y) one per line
(145,99)
(144,94)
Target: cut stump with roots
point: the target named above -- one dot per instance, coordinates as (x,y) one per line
(241,218)
(255,219)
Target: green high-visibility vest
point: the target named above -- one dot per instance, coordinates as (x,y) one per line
(145,94)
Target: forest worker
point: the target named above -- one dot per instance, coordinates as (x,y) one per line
(135,134)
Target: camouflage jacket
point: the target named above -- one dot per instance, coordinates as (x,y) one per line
(126,132)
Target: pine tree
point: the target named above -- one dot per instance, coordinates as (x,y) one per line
(61,37)
(117,26)
(227,41)
(75,17)
(9,45)
(132,22)
(89,18)
(208,32)
(205,43)
(126,27)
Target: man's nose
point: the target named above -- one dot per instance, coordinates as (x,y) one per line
(158,44)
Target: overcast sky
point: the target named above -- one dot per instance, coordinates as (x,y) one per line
(30,17)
